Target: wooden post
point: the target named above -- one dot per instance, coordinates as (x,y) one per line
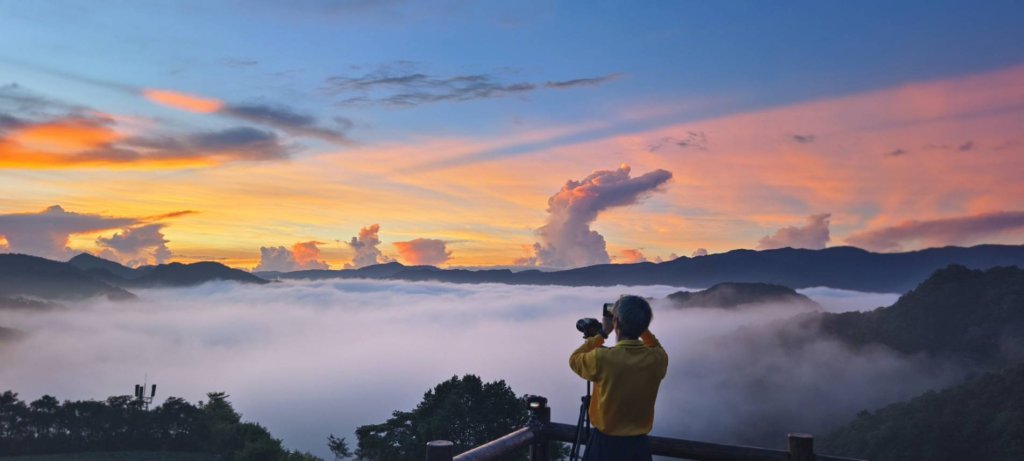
(801,447)
(440,450)
(540,415)
(539,447)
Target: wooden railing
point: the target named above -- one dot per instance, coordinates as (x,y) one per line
(541,431)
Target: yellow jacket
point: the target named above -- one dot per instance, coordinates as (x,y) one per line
(626,379)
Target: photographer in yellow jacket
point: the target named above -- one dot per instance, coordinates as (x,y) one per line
(626,378)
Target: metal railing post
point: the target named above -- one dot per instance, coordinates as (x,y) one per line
(440,450)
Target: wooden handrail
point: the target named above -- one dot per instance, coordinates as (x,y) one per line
(541,431)
(693,450)
(661,446)
(498,448)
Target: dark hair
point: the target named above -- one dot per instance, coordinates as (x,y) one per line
(634,316)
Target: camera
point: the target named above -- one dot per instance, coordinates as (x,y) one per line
(589,327)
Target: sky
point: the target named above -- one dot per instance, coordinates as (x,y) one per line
(331,134)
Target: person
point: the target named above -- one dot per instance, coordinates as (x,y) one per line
(626,378)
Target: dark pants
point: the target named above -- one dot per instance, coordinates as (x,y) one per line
(603,447)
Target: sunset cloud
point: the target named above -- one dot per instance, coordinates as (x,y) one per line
(95,140)
(630,256)
(939,232)
(136,246)
(812,235)
(47,234)
(301,256)
(567,239)
(182,101)
(421,251)
(365,246)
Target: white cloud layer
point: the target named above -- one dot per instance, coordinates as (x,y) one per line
(311,358)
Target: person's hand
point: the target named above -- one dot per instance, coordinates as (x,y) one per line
(608,322)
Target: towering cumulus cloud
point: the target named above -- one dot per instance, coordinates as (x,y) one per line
(424,251)
(365,245)
(813,235)
(301,256)
(136,246)
(567,239)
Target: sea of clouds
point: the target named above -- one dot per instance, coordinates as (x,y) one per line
(307,359)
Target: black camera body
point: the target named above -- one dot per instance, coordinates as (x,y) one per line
(589,327)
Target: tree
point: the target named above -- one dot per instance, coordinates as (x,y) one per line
(339,447)
(466,411)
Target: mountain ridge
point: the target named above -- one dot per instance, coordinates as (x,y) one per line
(836,267)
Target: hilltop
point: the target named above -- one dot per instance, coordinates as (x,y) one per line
(24,276)
(974,315)
(731,295)
(36,283)
(837,267)
(163,275)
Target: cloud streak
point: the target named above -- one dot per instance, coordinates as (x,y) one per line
(939,232)
(402,84)
(97,140)
(182,101)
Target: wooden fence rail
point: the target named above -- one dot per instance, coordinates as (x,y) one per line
(541,431)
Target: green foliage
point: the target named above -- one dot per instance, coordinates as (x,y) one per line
(981,419)
(971,315)
(339,447)
(122,424)
(466,411)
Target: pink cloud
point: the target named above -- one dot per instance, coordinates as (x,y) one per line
(301,256)
(939,232)
(814,235)
(423,251)
(630,256)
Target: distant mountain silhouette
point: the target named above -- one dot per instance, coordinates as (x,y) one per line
(178,274)
(23,276)
(957,312)
(97,265)
(980,419)
(163,275)
(731,294)
(838,267)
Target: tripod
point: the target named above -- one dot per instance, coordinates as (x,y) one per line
(584,420)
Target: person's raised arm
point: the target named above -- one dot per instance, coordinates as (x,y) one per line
(583,360)
(652,342)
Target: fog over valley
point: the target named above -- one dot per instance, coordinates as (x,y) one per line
(311,358)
